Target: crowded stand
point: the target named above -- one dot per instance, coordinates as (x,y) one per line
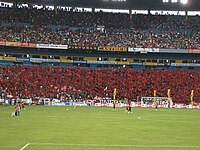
(94,29)
(73,28)
(84,83)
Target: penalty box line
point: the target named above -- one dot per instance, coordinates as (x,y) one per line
(25,146)
(111,145)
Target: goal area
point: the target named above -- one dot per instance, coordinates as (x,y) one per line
(165,102)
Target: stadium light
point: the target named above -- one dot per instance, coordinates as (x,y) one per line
(165,1)
(184,1)
(114,0)
(174,1)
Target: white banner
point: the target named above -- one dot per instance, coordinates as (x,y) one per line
(52,46)
(40,60)
(101,62)
(117,104)
(143,50)
(184,64)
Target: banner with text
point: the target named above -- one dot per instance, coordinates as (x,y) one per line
(20,59)
(101,62)
(40,60)
(52,46)
(196,51)
(82,47)
(143,50)
(112,49)
(18,44)
(185,64)
(8,58)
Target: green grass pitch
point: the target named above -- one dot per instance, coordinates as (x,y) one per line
(99,128)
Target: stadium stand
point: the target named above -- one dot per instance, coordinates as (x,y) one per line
(38,81)
(80,28)
(76,29)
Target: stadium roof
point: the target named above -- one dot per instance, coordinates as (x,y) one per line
(192,5)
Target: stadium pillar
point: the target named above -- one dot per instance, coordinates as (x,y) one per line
(186,15)
(149,11)
(93,10)
(56,9)
(15,5)
(130,14)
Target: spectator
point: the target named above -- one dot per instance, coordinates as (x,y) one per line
(79,83)
(31,25)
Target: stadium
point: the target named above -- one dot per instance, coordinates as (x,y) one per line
(99,74)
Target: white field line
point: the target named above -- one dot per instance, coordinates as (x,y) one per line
(153,118)
(25,146)
(5,108)
(117,145)
(65,117)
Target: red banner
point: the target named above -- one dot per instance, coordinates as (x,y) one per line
(2,43)
(197,51)
(32,45)
(24,44)
(18,44)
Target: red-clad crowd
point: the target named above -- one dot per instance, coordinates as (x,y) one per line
(57,82)
(30,25)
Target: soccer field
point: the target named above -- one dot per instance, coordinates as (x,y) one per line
(99,128)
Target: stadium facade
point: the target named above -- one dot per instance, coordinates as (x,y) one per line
(153,54)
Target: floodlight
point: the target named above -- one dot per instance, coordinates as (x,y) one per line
(165,1)
(118,0)
(114,0)
(184,1)
(174,1)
